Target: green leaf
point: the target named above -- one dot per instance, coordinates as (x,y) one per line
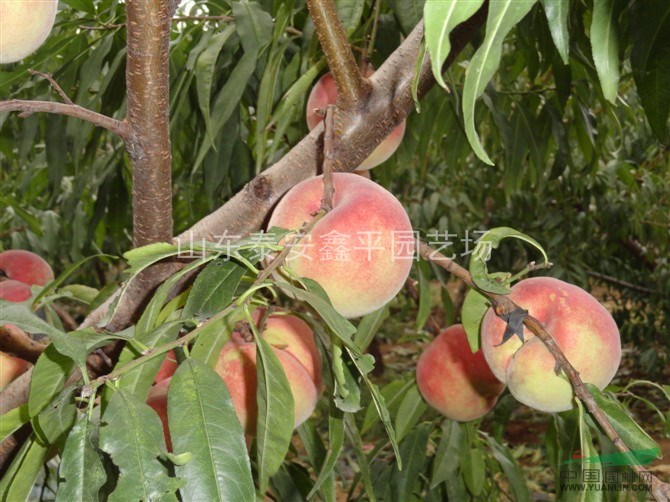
(347,393)
(202,420)
(275,412)
(411,408)
(56,420)
(413,455)
(590,462)
(227,100)
(440,18)
(605,47)
(369,325)
(49,375)
(254,26)
(650,61)
(335,443)
(18,480)
(31,220)
(316,453)
(630,432)
(13,420)
(502,17)
(392,394)
(474,470)
(214,336)
(446,459)
(318,299)
(81,469)
(377,399)
(214,288)
(69,271)
(495,283)
(557,17)
(204,72)
(511,469)
(474,307)
(132,434)
(425,295)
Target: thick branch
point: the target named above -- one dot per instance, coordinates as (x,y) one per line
(147,82)
(352,88)
(503,305)
(28,107)
(16,342)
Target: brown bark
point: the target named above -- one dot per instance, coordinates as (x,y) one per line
(147,81)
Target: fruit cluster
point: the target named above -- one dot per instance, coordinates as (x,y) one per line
(464,386)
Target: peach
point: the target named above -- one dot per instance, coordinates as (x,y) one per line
(157,399)
(168,367)
(14,291)
(360,252)
(26,267)
(293,343)
(324,93)
(582,328)
(24,26)
(10,366)
(455,381)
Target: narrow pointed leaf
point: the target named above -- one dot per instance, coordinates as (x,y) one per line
(605,47)
(132,434)
(81,468)
(440,18)
(203,421)
(502,17)
(557,17)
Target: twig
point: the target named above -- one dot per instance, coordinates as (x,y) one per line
(328,159)
(15,341)
(68,322)
(53,83)
(352,88)
(619,282)
(532,266)
(28,107)
(503,305)
(373,35)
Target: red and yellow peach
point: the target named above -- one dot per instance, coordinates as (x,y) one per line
(455,381)
(360,252)
(582,328)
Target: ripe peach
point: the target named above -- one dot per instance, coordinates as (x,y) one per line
(293,344)
(582,328)
(360,252)
(157,399)
(455,381)
(168,367)
(14,291)
(10,366)
(324,93)
(24,25)
(26,267)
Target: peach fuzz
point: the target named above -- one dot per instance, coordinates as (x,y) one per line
(25,266)
(455,381)
(24,26)
(360,252)
(582,328)
(324,93)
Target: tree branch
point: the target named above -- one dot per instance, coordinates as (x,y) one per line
(28,107)
(352,88)
(148,90)
(503,305)
(14,341)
